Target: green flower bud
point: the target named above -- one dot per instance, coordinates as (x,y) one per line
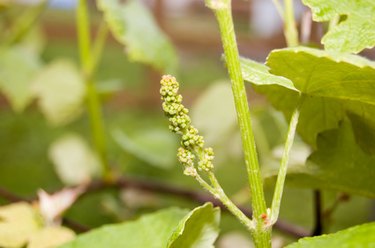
(185,157)
(190,171)
(180,122)
(205,162)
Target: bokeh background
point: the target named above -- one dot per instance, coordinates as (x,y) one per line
(139,143)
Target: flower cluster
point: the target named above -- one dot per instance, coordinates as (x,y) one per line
(180,123)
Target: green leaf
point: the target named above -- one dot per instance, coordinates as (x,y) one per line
(338,163)
(214,113)
(198,229)
(154,146)
(151,231)
(358,236)
(318,73)
(74,161)
(17,223)
(132,25)
(329,90)
(60,91)
(52,236)
(353,34)
(364,132)
(18,66)
(258,74)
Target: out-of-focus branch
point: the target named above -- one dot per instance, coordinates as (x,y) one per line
(161,188)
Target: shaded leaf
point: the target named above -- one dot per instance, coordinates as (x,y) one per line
(198,229)
(154,146)
(324,74)
(49,237)
(17,223)
(133,26)
(151,230)
(18,66)
(339,164)
(329,90)
(353,34)
(363,132)
(74,161)
(60,91)
(358,236)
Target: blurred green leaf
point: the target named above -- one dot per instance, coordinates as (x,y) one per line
(18,66)
(214,113)
(151,231)
(339,164)
(258,74)
(34,40)
(74,161)
(155,146)
(109,87)
(132,25)
(52,236)
(60,91)
(358,236)
(17,223)
(353,34)
(198,229)
(329,90)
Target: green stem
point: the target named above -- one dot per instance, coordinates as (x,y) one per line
(278,8)
(83,25)
(24,23)
(223,14)
(98,46)
(276,201)
(219,194)
(93,102)
(290,27)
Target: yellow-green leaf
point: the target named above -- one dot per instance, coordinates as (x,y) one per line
(60,91)
(50,237)
(18,66)
(353,34)
(18,222)
(74,161)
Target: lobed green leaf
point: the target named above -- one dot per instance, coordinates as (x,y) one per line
(338,164)
(353,34)
(332,86)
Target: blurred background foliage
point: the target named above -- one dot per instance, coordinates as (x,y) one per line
(139,144)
